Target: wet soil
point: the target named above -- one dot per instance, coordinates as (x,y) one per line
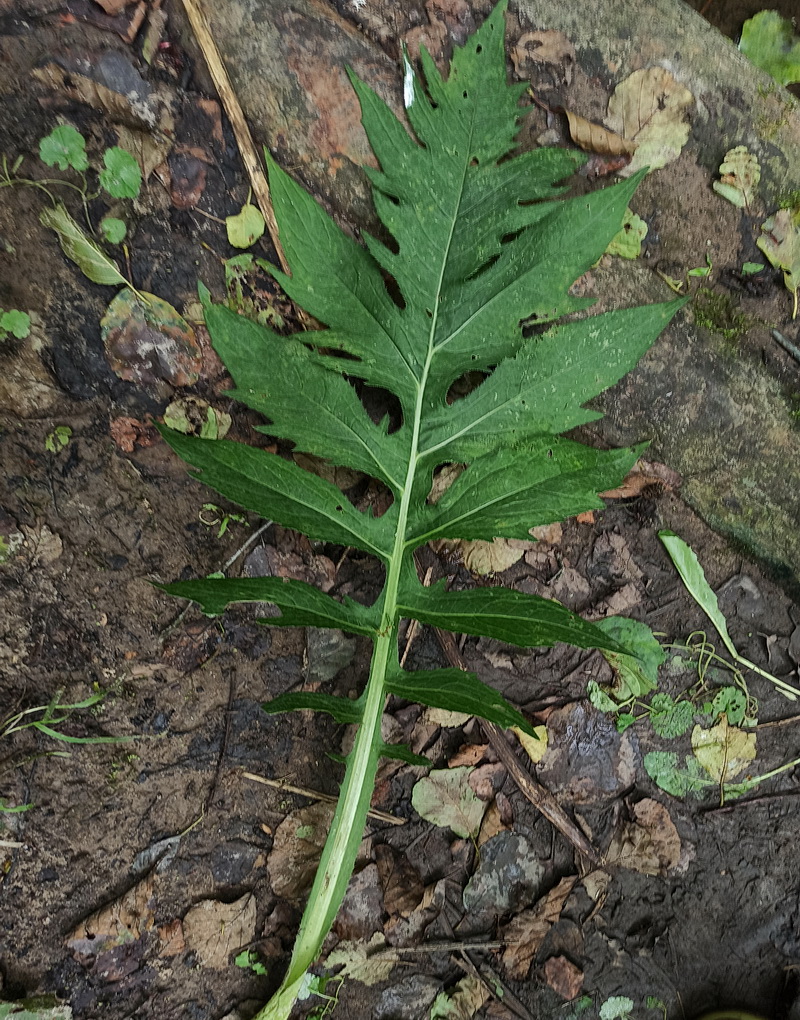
(166,819)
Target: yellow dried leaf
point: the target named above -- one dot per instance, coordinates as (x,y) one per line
(724,751)
(535,747)
(650,108)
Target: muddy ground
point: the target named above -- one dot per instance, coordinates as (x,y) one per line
(141,868)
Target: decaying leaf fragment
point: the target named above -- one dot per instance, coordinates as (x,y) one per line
(649,843)
(650,108)
(627,244)
(216,930)
(359,962)
(544,47)
(724,751)
(741,173)
(780,242)
(526,932)
(146,339)
(445,798)
(593,137)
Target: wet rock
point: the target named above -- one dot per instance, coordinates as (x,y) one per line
(508,877)
(408,999)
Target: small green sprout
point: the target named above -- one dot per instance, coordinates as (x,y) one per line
(58,439)
(215,515)
(14,323)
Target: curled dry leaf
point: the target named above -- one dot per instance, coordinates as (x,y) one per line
(147,340)
(724,751)
(643,474)
(741,173)
(650,108)
(593,137)
(359,961)
(527,931)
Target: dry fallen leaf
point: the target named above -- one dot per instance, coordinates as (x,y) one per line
(402,887)
(359,962)
(215,930)
(461,1002)
(593,137)
(126,919)
(780,242)
(526,932)
(649,844)
(547,47)
(563,977)
(724,751)
(296,849)
(643,474)
(445,798)
(650,108)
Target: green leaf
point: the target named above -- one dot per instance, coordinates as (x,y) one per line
(342,709)
(520,619)
(15,322)
(768,40)
(64,147)
(330,420)
(479,250)
(245,227)
(113,230)
(301,604)
(627,243)
(542,388)
(636,670)
(599,698)
(457,691)
(669,718)
(615,1008)
(731,702)
(91,261)
(121,177)
(749,268)
(277,489)
(692,575)
(663,769)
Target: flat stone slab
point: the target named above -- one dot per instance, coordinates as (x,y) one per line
(717,411)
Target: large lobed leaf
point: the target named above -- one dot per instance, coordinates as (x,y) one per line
(480,244)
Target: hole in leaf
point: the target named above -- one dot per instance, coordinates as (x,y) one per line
(429,313)
(474,161)
(379,404)
(479,49)
(466,383)
(394,291)
(464,94)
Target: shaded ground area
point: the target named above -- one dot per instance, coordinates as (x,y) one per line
(142,868)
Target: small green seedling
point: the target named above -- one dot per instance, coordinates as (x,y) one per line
(701,270)
(751,268)
(58,439)
(693,577)
(214,516)
(618,1007)
(249,959)
(46,718)
(14,323)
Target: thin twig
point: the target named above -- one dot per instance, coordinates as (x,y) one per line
(532,789)
(244,139)
(302,791)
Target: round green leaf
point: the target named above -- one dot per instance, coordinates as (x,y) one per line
(64,147)
(122,177)
(15,322)
(113,230)
(245,227)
